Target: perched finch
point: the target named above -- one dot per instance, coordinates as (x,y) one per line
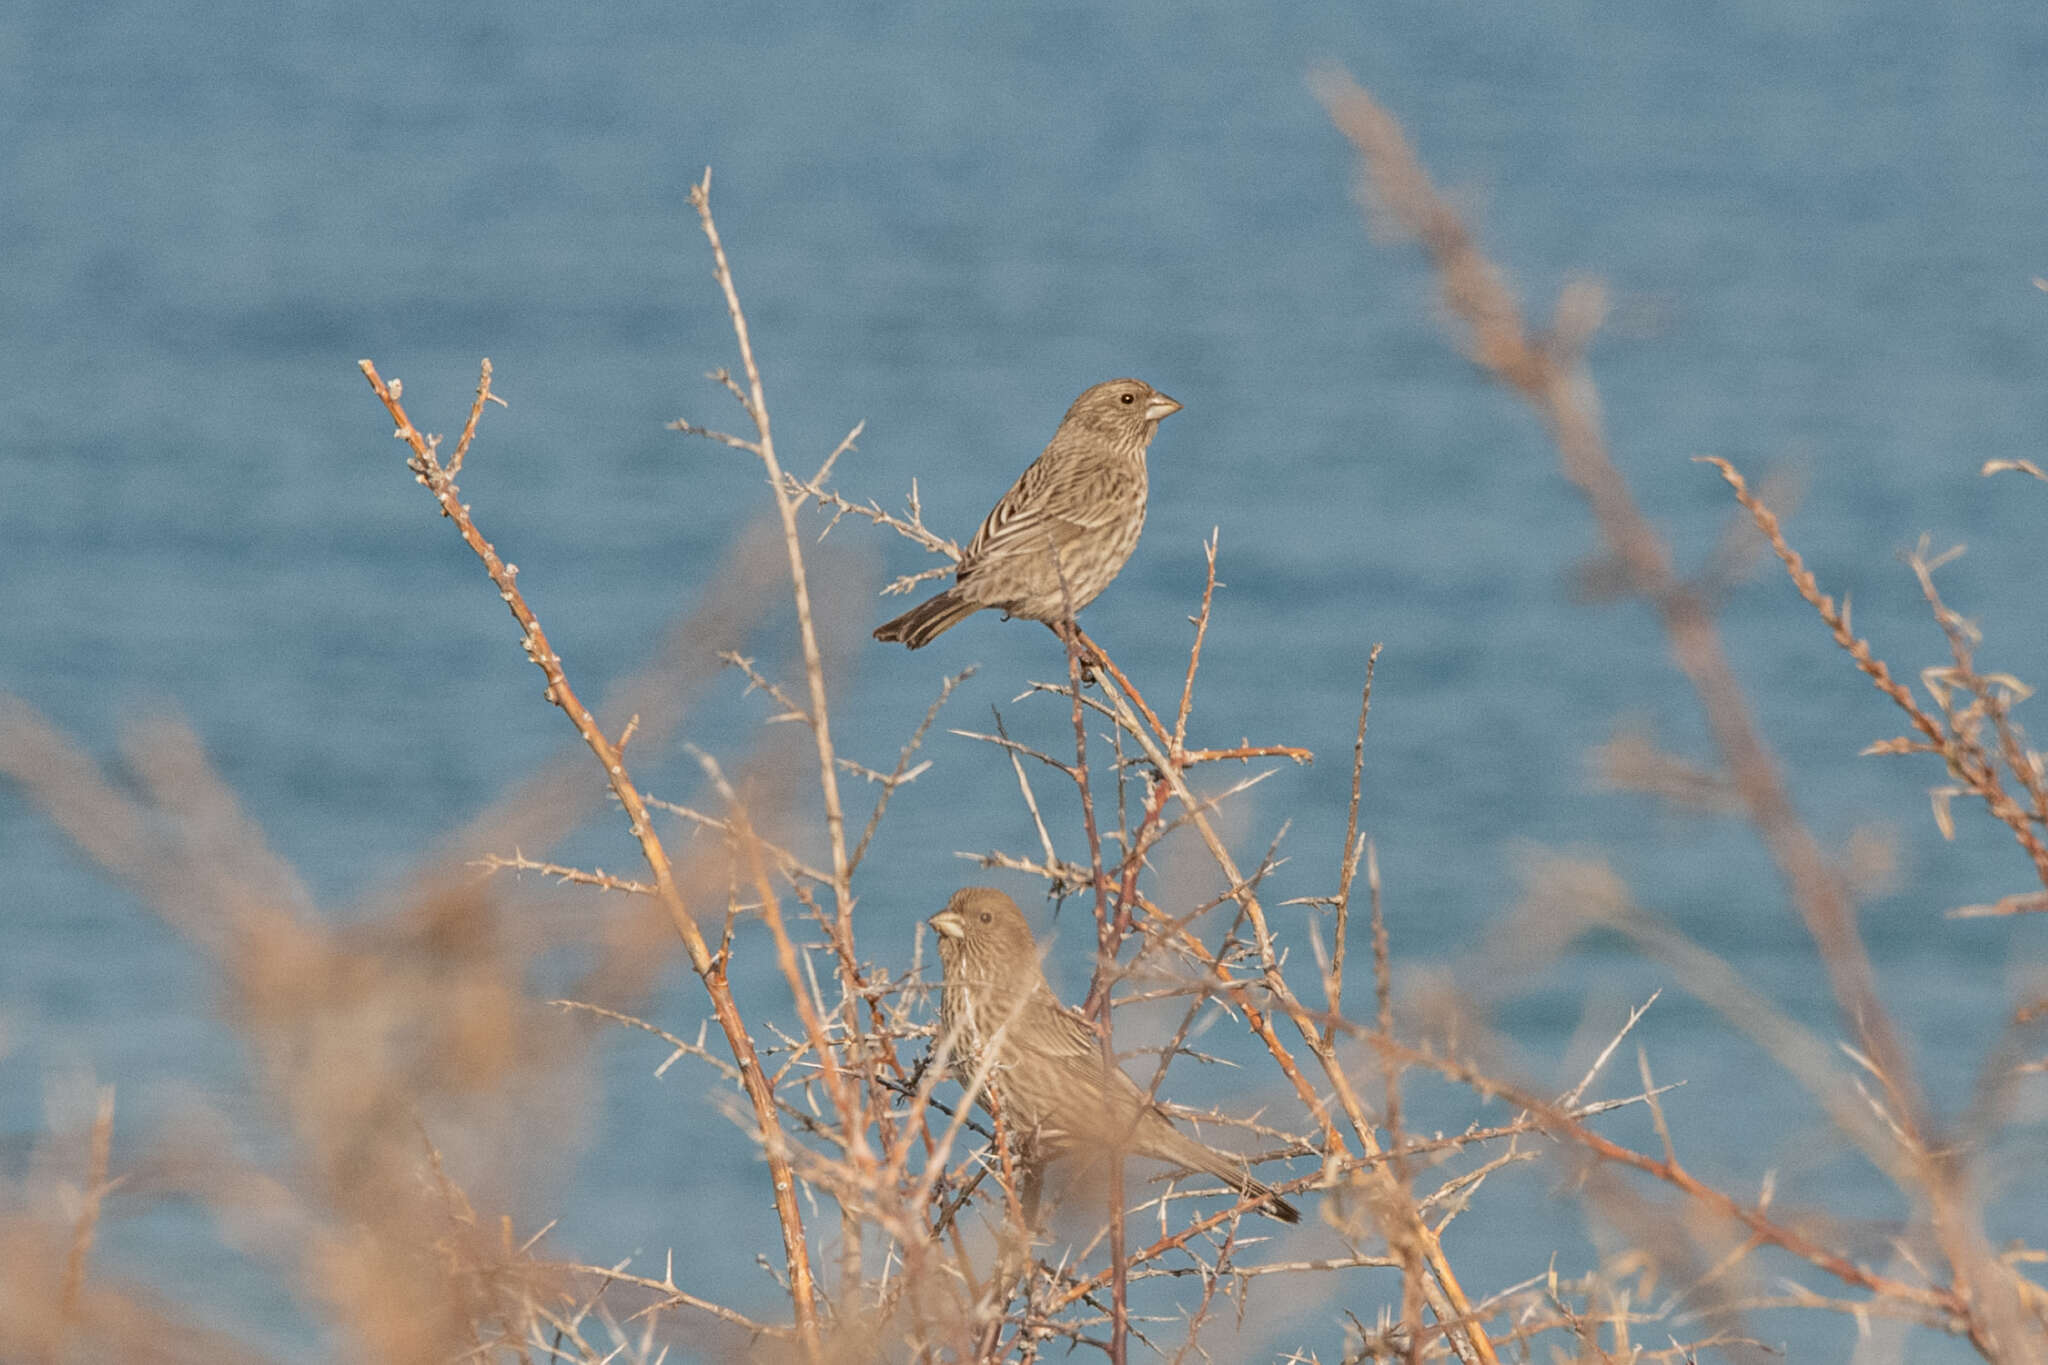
(1076,512)
(1050,1078)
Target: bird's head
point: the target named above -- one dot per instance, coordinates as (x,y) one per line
(982,924)
(1122,405)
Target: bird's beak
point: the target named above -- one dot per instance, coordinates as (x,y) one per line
(1160,406)
(949,924)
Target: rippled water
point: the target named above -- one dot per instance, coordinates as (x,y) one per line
(1819,221)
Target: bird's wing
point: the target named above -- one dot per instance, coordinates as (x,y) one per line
(1067,1033)
(1071,1042)
(1051,498)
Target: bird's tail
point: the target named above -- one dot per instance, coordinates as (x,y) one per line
(1251,1188)
(924,622)
(1198,1156)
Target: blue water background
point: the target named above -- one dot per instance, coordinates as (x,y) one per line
(1819,221)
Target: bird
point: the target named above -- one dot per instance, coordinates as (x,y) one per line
(1051,1081)
(1074,515)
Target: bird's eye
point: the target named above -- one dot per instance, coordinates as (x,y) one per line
(986,917)
(1128,398)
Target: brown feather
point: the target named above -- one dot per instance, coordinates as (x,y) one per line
(1066,528)
(1044,1062)
(927,620)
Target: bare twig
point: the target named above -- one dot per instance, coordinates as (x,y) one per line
(1352,847)
(99,1151)
(441,485)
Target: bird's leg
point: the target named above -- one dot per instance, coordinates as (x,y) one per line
(1022,1169)
(1014,1260)
(1030,1185)
(1069,631)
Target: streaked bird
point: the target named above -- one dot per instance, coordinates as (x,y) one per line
(1074,515)
(1050,1079)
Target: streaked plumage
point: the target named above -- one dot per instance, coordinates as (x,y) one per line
(1077,511)
(1050,1079)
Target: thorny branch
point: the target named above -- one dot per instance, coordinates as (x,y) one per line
(438,481)
(842,1116)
